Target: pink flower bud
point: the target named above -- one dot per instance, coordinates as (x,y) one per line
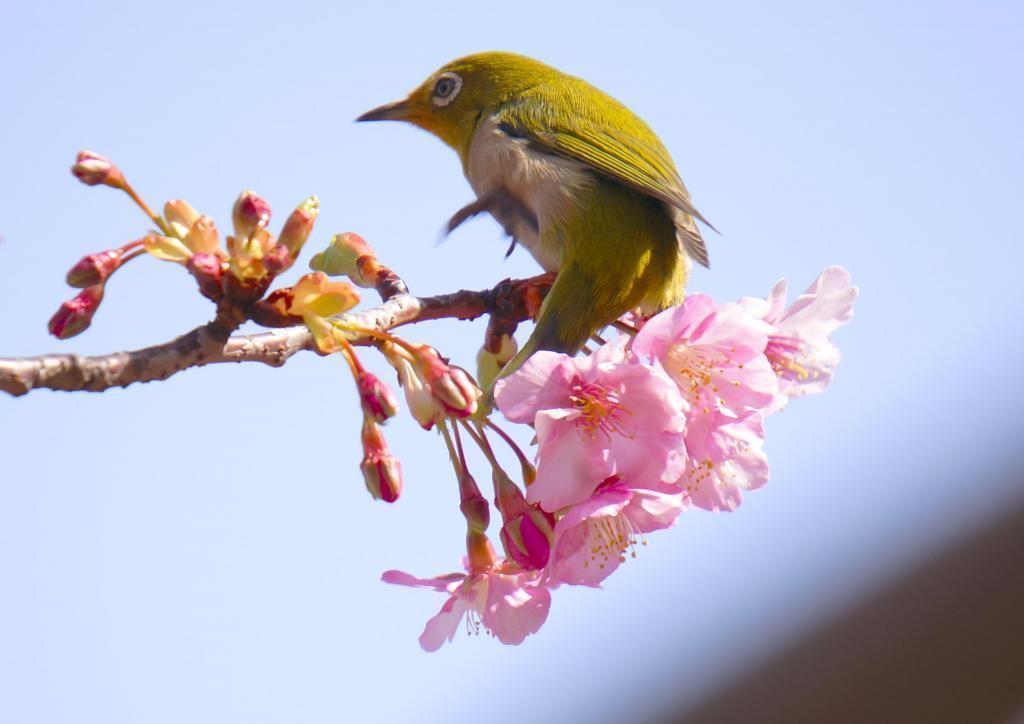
(93,169)
(378,401)
(299,225)
(251,212)
(450,386)
(381,470)
(208,271)
(75,315)
(528,537)
(94,268)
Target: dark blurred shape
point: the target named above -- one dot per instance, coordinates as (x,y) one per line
(944,643)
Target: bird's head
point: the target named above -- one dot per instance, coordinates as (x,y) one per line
(453,99)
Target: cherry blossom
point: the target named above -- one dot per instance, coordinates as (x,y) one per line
(593,537)
(800,347)
(595,417)
(510,604)
(715,354)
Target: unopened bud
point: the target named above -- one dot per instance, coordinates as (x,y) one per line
(75,315)
(208,269)
(527,537)
(348,255)
(251,212)
(381,470)
(93,169)
(94,268)
(422,406)
(299,225)
(180,216)
(449,385)
(378,401)
(490,363)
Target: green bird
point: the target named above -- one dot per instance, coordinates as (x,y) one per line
(575,177)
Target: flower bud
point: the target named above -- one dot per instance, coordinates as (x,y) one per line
(202,236)
(450,386)
(208,271)
(251,212)
(94,268)
(180,216)
(381,470)
(378,401)
(489,364)
(422,406)
(75,315)
(528,537)
(349,255)
(299,225)
(93,169)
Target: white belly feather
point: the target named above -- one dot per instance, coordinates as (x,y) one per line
(549,186)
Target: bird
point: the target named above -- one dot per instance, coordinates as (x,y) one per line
(572,175)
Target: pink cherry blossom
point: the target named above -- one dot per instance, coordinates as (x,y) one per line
(800,348)
(595,417)
(509,603)
(592,538)
(725,457)
(715,354)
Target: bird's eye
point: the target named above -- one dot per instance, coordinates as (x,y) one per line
(446,87)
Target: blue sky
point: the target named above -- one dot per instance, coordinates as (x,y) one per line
(203,549)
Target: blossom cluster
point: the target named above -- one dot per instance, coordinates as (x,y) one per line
(668,418)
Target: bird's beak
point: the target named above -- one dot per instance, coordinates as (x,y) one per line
(397,111)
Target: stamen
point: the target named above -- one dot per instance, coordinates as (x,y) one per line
(599,407)
(785,355)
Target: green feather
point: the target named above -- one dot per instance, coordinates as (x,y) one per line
(570,118)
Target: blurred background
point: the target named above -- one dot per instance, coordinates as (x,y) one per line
(203,549)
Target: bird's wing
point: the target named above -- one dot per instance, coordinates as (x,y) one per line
(618,145)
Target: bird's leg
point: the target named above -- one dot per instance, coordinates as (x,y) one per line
(504,207)
(468,211)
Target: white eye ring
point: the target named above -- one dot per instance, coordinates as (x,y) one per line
(448,82)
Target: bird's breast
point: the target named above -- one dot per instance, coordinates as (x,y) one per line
(552,188)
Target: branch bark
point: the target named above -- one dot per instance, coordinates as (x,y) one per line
(512,301)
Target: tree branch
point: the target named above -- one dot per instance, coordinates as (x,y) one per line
(511,301)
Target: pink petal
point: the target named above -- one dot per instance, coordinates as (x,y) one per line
(441,583)
(651,510)
(444,624)
(569,466)
(541,383)
(514,611)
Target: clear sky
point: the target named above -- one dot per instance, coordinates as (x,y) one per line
(203,549)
